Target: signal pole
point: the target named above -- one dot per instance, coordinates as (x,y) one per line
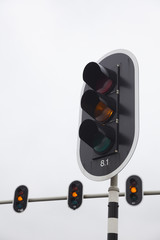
(113,209)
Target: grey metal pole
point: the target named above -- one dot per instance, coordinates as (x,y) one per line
(113,209)
(86,196)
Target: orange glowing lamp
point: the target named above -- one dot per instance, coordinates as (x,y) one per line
(133,189)
(20,199)
(102,112)
(74,194)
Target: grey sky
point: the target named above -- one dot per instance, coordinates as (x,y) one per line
(44,46)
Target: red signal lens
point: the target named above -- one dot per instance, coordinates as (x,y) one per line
(97,77)
(133,182)
(105,87)
(21,193)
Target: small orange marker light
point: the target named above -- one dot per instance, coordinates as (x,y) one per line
(20,198)
(74,194)
(133,189)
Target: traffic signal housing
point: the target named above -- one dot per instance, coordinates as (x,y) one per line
(134,190)
(75,195)
(108,131)
(20,199)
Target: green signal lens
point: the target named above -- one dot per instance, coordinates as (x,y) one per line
(134,197)
(93,135)
(102,145)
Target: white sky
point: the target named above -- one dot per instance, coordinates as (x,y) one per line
(44,46)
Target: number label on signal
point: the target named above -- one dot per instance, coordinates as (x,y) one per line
(104,163)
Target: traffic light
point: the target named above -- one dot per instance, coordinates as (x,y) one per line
(20,199)
(134,190)
(108,132)
(75,195)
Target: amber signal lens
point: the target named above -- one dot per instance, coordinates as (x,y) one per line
(20,198)
(74,194)
(133,189)
(102,113)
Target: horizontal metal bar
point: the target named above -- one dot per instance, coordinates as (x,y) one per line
(95,196)
(86,196)
(6,202)
(151,193)
(47,199)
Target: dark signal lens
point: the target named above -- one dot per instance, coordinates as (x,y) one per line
(92,135)
(19,206)
(95,107)
(102,113)
(103,145)
(133,182)
(134,197)
(74,204)
(75,188)
(105,87)
(97,77)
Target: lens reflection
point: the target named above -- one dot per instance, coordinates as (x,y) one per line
(134,197)
(98,78)
(105,87)
(102,113)
(92,135)
(102,145)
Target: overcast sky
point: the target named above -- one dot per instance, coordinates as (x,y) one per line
(44,46)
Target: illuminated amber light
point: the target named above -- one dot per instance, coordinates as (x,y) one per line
(74,194)
(102,112)
(133,189)
(20,198)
